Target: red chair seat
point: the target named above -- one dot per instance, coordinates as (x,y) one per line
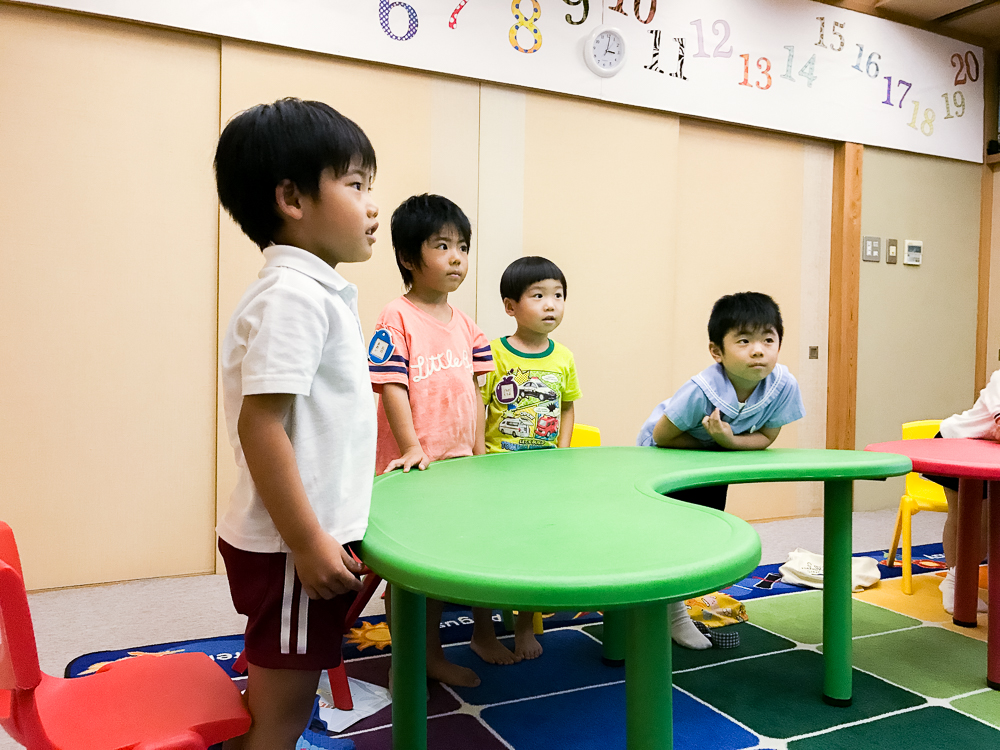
(146,699)
(169,702)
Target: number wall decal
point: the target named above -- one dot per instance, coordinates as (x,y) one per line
(586,11)
(655,63)
(701,39)
(637,8)
(837,33)
(959,99)
(763,65)
(719,51)
(888,91)
(650,15)
(964,65)
(384,7)
(454,14)
(521,22)
(808,71)
(679,73)
(927,126)
(871,62)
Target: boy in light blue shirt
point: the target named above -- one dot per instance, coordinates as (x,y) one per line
(739,403)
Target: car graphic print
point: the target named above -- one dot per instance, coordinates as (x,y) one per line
(535,388)
(516,427)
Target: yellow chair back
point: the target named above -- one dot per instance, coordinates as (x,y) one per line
(585,436)
(928,495)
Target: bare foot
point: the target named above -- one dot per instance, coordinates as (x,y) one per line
(491,651)
(442,670)
(526,646)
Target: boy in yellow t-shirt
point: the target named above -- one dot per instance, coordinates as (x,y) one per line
(529,396)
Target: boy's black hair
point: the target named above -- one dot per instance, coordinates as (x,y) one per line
(744,311)
(524,272)
(288,140)
(416,220)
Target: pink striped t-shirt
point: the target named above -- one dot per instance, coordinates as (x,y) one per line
(437,363)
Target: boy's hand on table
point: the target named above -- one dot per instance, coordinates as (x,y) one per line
(326,569)
(413,457)
(720,431)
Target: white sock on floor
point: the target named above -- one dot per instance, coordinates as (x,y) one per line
(948,594)
(682,628)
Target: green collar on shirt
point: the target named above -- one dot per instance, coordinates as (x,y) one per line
(512,350)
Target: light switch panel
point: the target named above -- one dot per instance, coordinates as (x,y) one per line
(871,249)
(891,255)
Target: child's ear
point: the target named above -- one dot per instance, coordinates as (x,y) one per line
(288,200)
(508,306)
(715,351)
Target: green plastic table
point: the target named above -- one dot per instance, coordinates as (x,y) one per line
(590,529)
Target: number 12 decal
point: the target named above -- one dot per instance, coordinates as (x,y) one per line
(719,51)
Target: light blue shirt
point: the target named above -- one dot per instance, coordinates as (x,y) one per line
(775,402)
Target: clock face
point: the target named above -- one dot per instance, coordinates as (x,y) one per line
(608,50)
(604,51)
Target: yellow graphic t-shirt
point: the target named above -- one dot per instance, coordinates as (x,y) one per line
(524,396)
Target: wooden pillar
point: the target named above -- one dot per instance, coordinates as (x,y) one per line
(984,357)
(845,262)
(983,307)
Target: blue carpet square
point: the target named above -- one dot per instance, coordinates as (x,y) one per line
(571,659)
(594,719)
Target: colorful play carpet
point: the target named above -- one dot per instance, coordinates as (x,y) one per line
(919,681)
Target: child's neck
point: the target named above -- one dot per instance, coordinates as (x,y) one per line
(743,389)
(529,342)
(431,301)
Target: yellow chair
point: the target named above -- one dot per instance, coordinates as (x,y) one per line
(921,494)
(584,436)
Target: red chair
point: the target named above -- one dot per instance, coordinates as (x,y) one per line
(170,702)
(340,688)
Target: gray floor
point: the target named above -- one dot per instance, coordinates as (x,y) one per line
(71,622)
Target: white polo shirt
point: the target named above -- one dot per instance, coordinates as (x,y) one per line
(296,330)
(982,419)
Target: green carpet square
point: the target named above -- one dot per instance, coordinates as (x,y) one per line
(985,706)
(931,661)
(753,641)
(800,617)
(780,695)
(930,728)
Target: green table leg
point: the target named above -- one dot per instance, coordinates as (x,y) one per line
(837,601)
(648,681)
(614,638)
(409,670)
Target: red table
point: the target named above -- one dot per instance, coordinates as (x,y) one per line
(972,461)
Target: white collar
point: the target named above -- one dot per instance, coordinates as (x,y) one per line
(297,259)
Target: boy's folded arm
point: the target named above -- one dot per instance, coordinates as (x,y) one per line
(668,435)
(754,441)
(324,568)
(396,402)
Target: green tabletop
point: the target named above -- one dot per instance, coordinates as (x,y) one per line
(584,528)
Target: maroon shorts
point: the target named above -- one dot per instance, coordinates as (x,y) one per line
(285,628)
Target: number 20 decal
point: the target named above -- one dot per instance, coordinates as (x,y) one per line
(965,66)
(522,22)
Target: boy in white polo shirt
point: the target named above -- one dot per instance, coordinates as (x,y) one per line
(296,175)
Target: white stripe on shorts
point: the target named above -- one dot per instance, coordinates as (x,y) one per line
(286,605)
(302,639)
